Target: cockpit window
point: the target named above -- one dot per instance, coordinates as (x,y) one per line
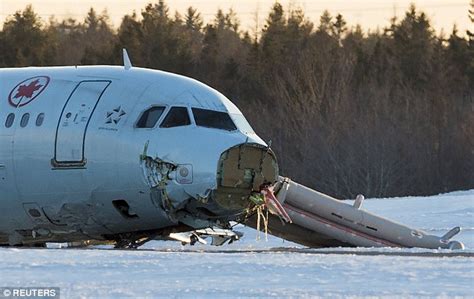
(149,118)
(213,119)
(177,116)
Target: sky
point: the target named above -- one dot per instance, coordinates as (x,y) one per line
(370,14)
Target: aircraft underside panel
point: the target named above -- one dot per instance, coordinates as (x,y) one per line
(318,220)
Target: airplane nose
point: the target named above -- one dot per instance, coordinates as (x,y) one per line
(244,169)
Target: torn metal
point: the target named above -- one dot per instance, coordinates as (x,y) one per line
(249,191)
(243,172)
(157,173)
(336,223)
(219,236)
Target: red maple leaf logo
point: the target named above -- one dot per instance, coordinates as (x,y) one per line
(28,90)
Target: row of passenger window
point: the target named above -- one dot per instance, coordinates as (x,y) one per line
(179,116)
(176,117)
(24,120)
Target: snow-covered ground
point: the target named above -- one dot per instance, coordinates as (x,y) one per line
(252,269)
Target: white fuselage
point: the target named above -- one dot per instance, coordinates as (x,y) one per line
(59,176)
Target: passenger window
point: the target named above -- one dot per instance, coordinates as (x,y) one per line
(149,118)
(10,119)
(213,119)
(24,120)
(40,119)
(178,116)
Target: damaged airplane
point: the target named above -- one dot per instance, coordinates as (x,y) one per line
(124,155)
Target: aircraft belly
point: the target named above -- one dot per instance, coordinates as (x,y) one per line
(66,217)
(142,214)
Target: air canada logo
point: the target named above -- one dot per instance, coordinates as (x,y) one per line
(28,90)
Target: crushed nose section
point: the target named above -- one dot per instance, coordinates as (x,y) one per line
(243,170)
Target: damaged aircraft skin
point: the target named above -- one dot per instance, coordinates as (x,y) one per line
(123,155)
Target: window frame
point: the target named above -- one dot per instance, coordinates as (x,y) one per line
(214,128)
(39,119)
(24,123)
(167,111)
(11,116)
(158,121)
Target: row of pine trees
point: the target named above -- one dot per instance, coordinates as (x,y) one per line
(383,113)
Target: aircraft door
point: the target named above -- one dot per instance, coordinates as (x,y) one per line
(73,123)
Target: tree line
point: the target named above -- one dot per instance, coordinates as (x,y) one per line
(388,112)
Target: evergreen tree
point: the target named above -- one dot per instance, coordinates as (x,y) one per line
(219,20)
(130,37)
(158,44)
(413,41)
(273,34)
(231,21)
(325,22)
(383,113)
(23,39)
(471,18)
(471,44)
(193,19)
(458,51)
(339,27)
(98,38)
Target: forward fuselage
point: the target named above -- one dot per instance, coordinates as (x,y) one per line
(73,142)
